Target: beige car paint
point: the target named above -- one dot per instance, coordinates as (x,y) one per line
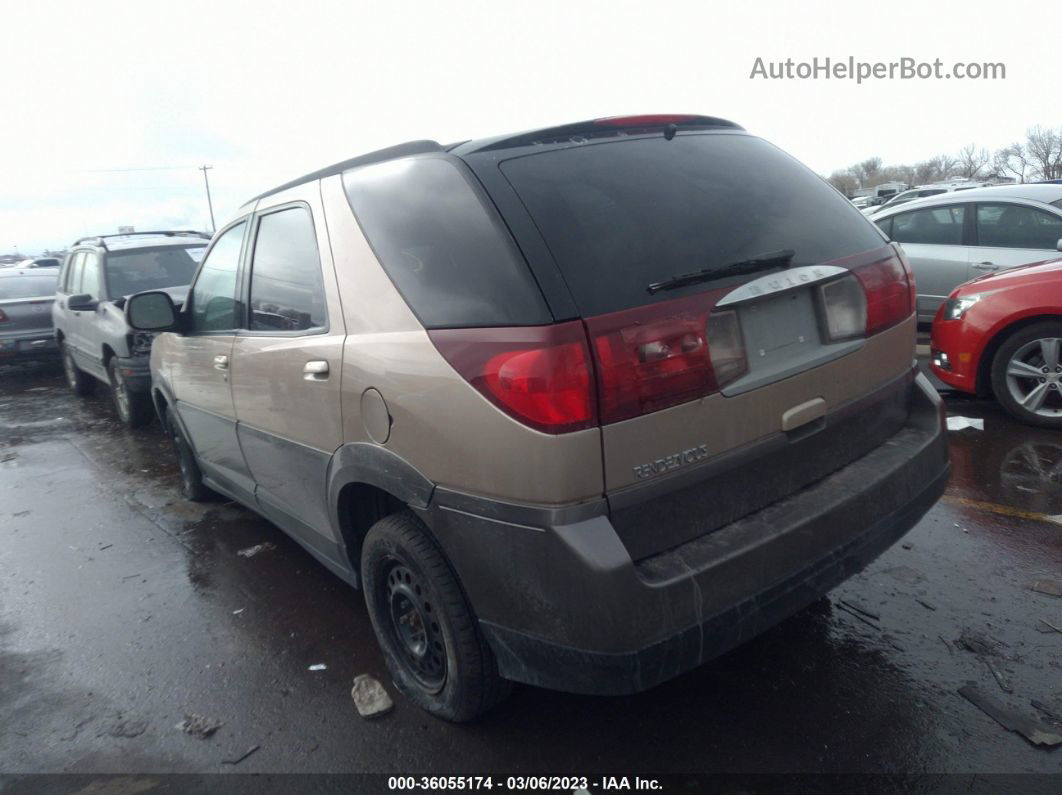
(270,388)
(444,427)
(441,425)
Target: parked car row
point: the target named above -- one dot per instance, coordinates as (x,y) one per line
(581,407)
(954,237)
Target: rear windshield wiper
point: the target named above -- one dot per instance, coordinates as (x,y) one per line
(762,262)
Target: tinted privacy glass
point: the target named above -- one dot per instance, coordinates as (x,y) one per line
(287,292)
(131,272)
(620,216)
(27,287)
(447,254)
(214,295)
(1016,226)
(935,226)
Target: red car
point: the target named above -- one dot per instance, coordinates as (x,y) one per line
(1001,334)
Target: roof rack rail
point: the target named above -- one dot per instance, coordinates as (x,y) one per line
(379,156)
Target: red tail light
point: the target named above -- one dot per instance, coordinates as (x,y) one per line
(648,120)
(663,354)
(890,292)
(538,374)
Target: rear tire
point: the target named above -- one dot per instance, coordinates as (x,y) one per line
(431,640)
(81,383)
(134,408)
(192,487)
(1027,374)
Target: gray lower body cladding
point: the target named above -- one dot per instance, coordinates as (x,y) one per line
(671,510)
(565,605)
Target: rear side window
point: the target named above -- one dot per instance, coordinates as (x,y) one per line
(131,272)
(940,226)
(1017,226)
(442,244)
(287,291)
(622,215)
(27,287)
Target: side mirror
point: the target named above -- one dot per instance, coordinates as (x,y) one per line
(1058,245)
(82,303)
(152,311)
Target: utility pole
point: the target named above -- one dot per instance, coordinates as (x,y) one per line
(210,204)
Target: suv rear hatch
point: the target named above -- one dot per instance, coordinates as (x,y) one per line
(732,302)
(732,324)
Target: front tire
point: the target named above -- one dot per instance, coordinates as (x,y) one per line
(81,383)
(1027,374)
(134,408)
(431,641)
(192,487)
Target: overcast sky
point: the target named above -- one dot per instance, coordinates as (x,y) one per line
(267,91)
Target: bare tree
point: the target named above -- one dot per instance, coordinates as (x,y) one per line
(868,171)
(844,180)
(1044,147)
(1013,160)
(971,160)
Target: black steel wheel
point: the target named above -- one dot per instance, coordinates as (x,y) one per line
(431,640)
(415,631)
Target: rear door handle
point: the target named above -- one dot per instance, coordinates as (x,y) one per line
(986,266)
(315,371)
(221,362)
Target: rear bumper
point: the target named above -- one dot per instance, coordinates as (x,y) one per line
(36,345)
(137,373)
(563,605)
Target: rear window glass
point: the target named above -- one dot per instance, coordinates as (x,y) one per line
(620,216)
(446,251)
(27,286)
(131,272)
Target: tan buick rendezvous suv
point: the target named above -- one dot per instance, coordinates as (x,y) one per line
(582,407)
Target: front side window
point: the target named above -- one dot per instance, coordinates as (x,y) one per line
(131,272)
(940,226)
(1017,226)
(287,291)
(213,296)
(90,275)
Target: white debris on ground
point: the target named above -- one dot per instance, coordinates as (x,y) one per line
(318,667)
(370,697)
(250,552)
(958,423)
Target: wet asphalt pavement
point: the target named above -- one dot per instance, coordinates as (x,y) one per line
(123,608)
